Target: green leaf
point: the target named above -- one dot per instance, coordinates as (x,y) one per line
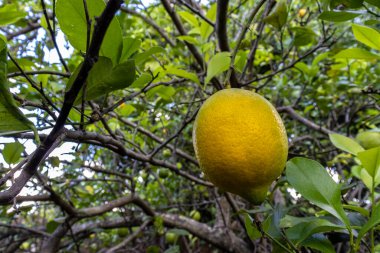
(190,18)
(373,221)
(357,53)
(89,189)
(130,46)
(374,3)
(301,229)
(12,152)
(10,14)
(372,22)
(103,79)
(206,28)
(173,249)
(302,67)
(72,20)
(313,182)
(182,73)
(346,3)
(144,56)
(370,160)
(165,92)
(240,60)
(51,226)
(319,242)
(346,144)
(142,80)
(218,63)
(320,58)
(278,17)
(367,36)
(12,120)
(338,16)
(54,161)
(252,231)
(189,39)
(303,36)
(366,178)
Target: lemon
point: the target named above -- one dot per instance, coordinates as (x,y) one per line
(302,12)
(369,139)
(240,143)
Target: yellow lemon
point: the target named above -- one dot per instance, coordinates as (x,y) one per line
(240,142)
(302,13)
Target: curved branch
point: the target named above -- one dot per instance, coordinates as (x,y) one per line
(292,113)
(39,72)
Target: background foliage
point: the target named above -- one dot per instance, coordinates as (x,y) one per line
(109,167)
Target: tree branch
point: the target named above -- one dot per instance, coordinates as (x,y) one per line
(151,23)
(292,113)
(56,134)
(221,34)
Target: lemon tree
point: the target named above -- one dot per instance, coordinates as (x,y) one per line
(189,126)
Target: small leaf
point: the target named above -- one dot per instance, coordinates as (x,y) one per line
(103,79)
(182,73)
(303,36)
(218,63)
(206,28)
(303,230)
(367,36)
(370,160)
(12,152)
(165,92)
(89,189)
(346,144)
(302,67)
(357,53)
(278,17)
(130,46)
(190,18)
(366,178)
(144,56)
(319,242)
(252,231)
(54,161)
(338,16)
(189,39)
(313,182)
(51,226)
(142,80)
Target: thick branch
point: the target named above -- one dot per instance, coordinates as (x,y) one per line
(222,238)
(292,113)
(221,33)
